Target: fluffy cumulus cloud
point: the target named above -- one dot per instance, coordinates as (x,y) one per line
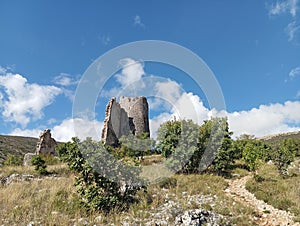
(264,120)
(77,127)
(177,103)
(68,128)
(131,72)
(23,101)
(280,7)
(267,119)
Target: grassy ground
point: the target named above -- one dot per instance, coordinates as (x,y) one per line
(282,193)
(54,201)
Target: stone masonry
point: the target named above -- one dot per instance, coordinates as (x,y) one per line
(128,116)
(46,144)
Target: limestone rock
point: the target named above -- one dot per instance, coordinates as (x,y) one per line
(46,144)
(121,119)
(27,158)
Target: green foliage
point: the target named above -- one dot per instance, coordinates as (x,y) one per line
(40,165)
(284,155)
(192,148)
(135,147)
(13,160)
(221,143)
(102,182)
(178,143)
(168,136)
(50,159)
(252,152)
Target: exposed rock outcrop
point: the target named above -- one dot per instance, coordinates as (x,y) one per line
(121,119)
(46,144)
(27,158)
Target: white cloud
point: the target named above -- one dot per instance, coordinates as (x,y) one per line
(84,128)
(157,121)
(65,80)
(281,7)
(26,132)
(132,71)
(25,101)
(2,70)
(264,120)
(138,21)
(65,131)
(267,119)
(294,72)
(292,30)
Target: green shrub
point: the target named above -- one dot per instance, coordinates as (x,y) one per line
(13,160)
(40,165)
(50,159)
(102,182)
(284,156)
(191,148)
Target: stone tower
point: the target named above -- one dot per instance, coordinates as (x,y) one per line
(46,144)
(128,116)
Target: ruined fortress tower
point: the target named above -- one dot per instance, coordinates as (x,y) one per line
(128,116)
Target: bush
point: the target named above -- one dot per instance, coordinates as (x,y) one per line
(102,182)
(13,160)
(40,165)
(283,157)
(191,148)
(50,159)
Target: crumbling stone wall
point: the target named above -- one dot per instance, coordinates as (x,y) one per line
(128,116)
(46,144)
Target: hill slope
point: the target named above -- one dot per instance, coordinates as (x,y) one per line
(15,145)
(276,140)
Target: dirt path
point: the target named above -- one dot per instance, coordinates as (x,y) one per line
(268,215)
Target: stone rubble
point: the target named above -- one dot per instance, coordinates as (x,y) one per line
(174,213)
(268,215)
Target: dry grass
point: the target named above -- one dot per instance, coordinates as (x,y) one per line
(54,201)
(282,193)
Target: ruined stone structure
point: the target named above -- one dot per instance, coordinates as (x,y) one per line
(128,116)
(46,144)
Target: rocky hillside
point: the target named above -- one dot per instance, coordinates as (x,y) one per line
(15,145)
(276,140)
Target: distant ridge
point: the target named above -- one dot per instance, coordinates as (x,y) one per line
(276,139)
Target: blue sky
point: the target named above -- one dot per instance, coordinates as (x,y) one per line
(252,47)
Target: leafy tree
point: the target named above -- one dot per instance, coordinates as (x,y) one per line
(40,165)
(219,146)
(284,156)
(252,154)
(102,182)
(168,136)
(292,145)
(192,148)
